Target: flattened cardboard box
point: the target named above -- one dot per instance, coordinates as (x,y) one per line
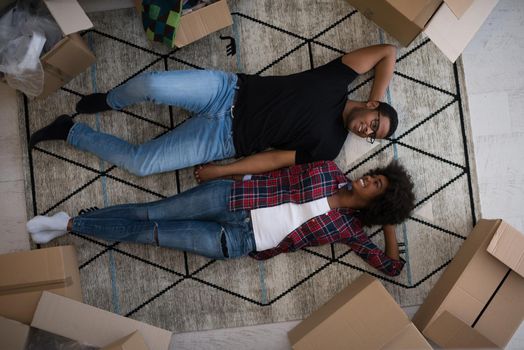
(70,56)
(197,24)
(477,289)
(24,275)
(507,246)
(362,316)
(90,325)
(450,24)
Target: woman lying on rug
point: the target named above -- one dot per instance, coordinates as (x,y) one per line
(260,216)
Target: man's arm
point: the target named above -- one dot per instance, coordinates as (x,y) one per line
(390,238)
(254,164)
(382,58)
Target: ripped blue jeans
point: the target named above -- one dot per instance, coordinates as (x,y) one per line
(197,221)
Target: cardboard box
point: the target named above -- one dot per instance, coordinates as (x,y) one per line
(13,334)
(24,275)
(90,325)
(134,341)
(362,316)
(71,55)
(450,24)
(478,289)
(507,246)
(451,333)
(197,24)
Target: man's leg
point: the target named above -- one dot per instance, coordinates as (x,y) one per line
(199,140)
(198,91)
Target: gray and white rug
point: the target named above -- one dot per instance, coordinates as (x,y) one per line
(183,292)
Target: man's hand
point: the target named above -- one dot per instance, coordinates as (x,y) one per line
(254,164)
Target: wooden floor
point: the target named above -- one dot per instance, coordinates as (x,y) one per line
(494,69)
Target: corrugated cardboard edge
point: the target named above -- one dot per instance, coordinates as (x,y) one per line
(449,278)
(13,334)
(90,325)
(507,246)
(449,331)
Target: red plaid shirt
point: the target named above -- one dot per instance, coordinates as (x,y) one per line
(300,184)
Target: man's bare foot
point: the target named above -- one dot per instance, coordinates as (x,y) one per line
(206,172)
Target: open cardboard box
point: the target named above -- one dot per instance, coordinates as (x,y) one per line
(25,275)
(478,290)
(197,24)
(71,55)
(450,24)
(362,316)
(90,325)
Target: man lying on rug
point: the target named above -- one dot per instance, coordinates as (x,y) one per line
(306,117)
(268,214)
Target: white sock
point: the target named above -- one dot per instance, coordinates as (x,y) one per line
(42,237)
(57,222)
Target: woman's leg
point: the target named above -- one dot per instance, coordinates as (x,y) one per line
(198,91)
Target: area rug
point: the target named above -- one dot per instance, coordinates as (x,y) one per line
(184,292)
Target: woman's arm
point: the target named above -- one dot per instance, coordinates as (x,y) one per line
(390,238)
(382,58)
(254,164)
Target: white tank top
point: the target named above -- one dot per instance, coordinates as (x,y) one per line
(271,225)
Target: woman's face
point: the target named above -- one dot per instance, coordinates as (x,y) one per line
(370,187)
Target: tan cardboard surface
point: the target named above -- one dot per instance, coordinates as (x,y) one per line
(24,275)
(458,6)
(475,289)
(134,341)
(90,325)
(418,12)
(450,332)
(362,316)
(197,24)
(409,339)
(13,334)
(64,61)
(505,312)
(507,245)
(452,34)
(69,16)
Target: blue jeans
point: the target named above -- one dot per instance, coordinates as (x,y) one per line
(204,137)
(196,221)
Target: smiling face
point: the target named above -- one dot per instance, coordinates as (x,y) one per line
(360,120)
(370,187)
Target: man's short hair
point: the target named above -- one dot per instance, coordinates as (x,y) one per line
(388,111)
(396,203)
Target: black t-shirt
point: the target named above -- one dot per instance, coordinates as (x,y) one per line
(301,112)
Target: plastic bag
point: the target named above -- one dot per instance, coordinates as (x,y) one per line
(24,35)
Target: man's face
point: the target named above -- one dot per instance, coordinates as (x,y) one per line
(361,121)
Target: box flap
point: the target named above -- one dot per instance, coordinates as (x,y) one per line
(133,341)
(70,17)
(34,268)
(362,316)
(452,34)
(196,25)
(458,6)
(449,331)
(418,12)
(13,334)
(507,245)
(90,325)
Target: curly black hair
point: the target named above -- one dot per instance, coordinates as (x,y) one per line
(396,203)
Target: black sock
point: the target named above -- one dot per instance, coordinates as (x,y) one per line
(93,103)
(57,130)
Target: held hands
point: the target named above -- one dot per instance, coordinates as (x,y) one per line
(206,172)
